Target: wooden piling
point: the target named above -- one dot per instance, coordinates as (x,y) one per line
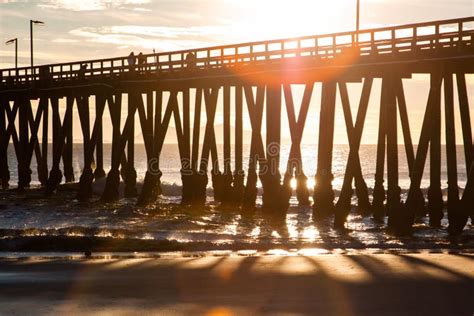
(435,196)
(465,119)
(69,145)
(209,148)
(418,198)
(43,165)
(111,190)
(85,181)
(451,159)
(4,139)
(99,150)
(323,193)
(24,170)
(10,113)
(195,176)
(412,204)
(353,168)
(378,207)
(393,190)
(271,176)
(227,175)
(458,216)
(295,160)
(239,174)
(257,152)
(186,168)
(145,114)
(55,175)
(34,122)
(130,172)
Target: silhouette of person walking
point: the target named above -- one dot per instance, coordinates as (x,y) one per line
(191,60)
(141,62)
(131,59)
(82,72)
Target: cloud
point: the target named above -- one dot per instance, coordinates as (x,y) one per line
(141,10)
(88,5)
(159,37)
(65,40)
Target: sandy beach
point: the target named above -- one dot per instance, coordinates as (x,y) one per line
(328,284)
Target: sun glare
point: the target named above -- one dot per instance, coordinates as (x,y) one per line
(279,19)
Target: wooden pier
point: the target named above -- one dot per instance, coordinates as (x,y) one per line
(258,78)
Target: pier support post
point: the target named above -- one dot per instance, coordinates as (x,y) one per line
(419,199)
(257,151)
(195,176)
(416,174)
(55,175)
(295,161)
(465,119)
(458,216)
(99,149)
(130,172)
(68,149)
(24,170)
(435,196)
(4,172)
(271,176)
(378,207)
(227,175)
(239,174)
(208,149)
(323,192)
(451,159)
(150,189)
(111,190)
(186,169)
(393,189)
(43,165)
(184,140)
(353,168)
(85,181)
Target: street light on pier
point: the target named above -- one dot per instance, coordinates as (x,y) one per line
(357,21)
(14,40)
(31,42)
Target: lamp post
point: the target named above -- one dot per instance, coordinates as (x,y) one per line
(31,42)
(357,21)
(14,40)
(358,16)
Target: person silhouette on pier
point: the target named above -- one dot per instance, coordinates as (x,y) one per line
(191,61)
(141,60)
(131,59)
(82,72)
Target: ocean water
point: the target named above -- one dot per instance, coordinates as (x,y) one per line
(31,221)
(170,164)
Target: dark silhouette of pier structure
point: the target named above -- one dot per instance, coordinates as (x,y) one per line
(255,77)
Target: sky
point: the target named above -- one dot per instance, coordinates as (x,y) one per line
(93,29)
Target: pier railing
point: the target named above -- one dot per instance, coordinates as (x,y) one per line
(414,38)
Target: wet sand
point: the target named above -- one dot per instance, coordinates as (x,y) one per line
(329,284)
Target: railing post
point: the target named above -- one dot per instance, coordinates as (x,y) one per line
(415,40)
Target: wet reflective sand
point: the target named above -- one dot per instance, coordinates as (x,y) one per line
(232,284)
